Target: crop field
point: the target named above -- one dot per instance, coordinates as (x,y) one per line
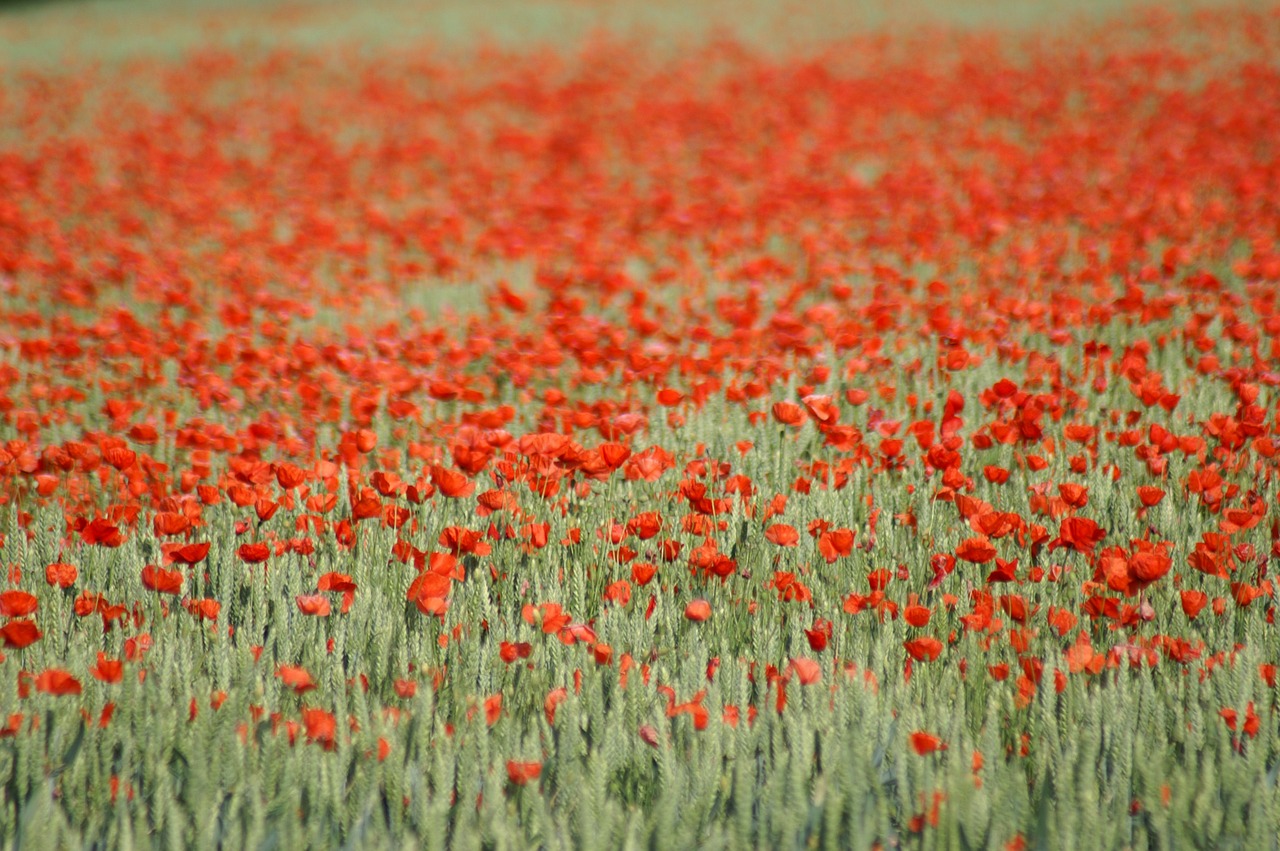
(664,432)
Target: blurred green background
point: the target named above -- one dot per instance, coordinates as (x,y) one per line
(60,33)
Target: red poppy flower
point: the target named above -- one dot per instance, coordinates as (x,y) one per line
(807,670)
(17,604)
(162,581)
(492,708)
(835,544)
(520,773)
(57,682)
(190,553)
(553,700)
(782,534)
(923,649)
(642,573)
(698,610)
(205,609)
(822,409)
(254,553)
(1193,602)
(511,651)
(321,727)
(452,483)
(924,743)
(61,575)
(819,635)
(669,397)
(313,604)
(916,615)
(296,678)
(108,670)
(102,532)
(976,550)
(1079,533)
(1150,495)
(20,633)
(788,413)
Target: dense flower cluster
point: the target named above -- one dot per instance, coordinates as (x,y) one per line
(341,391)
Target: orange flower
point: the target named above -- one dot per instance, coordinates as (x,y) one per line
(313,604)
(296,678)
(162,581)
(807,670)
(698,610)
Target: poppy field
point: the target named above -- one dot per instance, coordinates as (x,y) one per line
(604,445)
